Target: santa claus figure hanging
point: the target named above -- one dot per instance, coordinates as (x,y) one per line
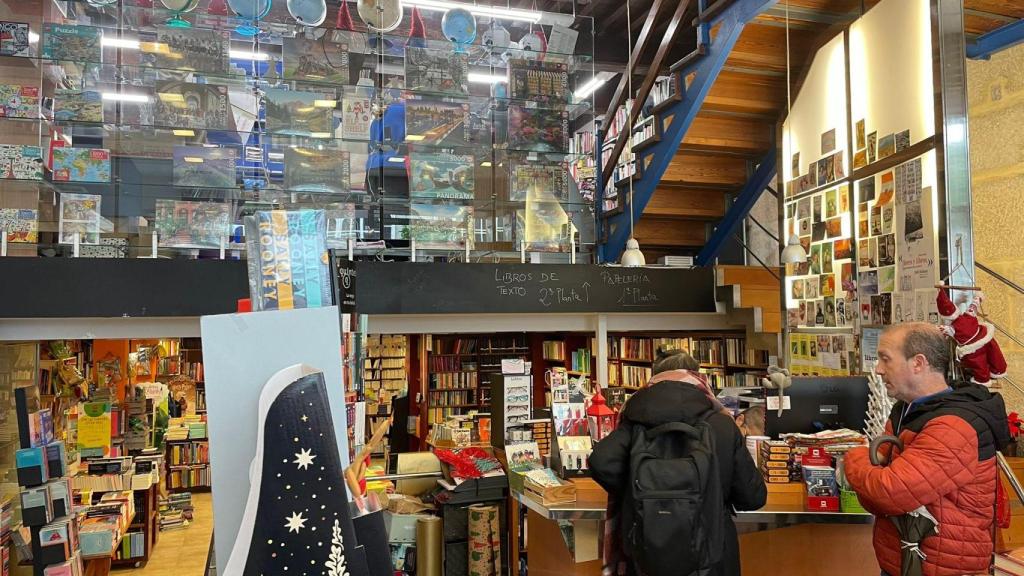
(976,348)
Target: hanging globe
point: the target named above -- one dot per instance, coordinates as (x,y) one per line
(250,10)
(459,26)
(380,15)
(308,12)
(179,7)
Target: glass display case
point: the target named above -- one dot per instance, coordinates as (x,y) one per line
(153,127)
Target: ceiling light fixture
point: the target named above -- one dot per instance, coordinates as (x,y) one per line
(244,55)
(502,13)
(487,78)
(112,42)
(115,97)
(590,87)
(794,252)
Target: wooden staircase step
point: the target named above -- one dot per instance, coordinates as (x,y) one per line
(686,204)
(731,135)
(761,46)
(746,94)
(672,233)
(754,276)
(765,298)
(691,169)
(771,322)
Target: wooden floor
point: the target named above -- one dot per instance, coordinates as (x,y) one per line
(181,552)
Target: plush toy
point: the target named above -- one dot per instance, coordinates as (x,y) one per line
(976,349)
(778,379)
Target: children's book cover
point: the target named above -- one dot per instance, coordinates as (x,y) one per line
(188,105)
(205,167)
(21,162)
(539,81)
(81,164)
(79,105)
(72,42)
(79,213)
(449,176)
(537,130)
(192,224)
(18,101)
(312,170)
(300,113)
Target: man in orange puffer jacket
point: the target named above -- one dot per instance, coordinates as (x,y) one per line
(950,437)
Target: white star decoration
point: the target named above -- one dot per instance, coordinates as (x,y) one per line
(303,458)
(295,522)
(305,418)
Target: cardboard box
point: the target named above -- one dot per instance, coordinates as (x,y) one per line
(823,504)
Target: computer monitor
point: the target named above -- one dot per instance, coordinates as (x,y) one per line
(820,403)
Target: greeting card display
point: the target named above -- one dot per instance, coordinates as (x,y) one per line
(81,165)
(185,224)
(205,167)
(313,170)
(188,105)
(447,176)
(79,213)
(300,113)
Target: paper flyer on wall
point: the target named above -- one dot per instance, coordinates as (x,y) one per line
(917,242)
(79,213)
(192,224)
(869,348)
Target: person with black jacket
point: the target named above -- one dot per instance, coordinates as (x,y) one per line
(676,393)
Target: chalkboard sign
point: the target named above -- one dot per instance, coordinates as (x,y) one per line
(427,288)
(344,283)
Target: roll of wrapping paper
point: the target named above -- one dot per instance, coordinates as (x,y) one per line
(429,543)
(484,541)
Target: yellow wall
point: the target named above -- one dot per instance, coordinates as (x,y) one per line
(996,109)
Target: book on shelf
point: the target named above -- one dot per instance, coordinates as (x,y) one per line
(453,380)
(627,348)
(635,376)
(647,129)
(664,89)
(707,351)
(581,360)
(554,350)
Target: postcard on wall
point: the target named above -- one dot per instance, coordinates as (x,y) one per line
(887,279)
(828,141)
(21,162)
(313,170)
(79,213)
(868,282)
(888,189)
(803,208)
(81,165)
(204,167)
(539,182)
(866,189)
(860,159)
(859,133)
(439,175)
(843,249)
(872,147)
(887,250)
(839,169)
(323,59)
(917,243)
(827,285)
(300,113)
(437,71)
(188,105)
(796,164)
(20,224)
(14,39)
(439,225)
(196,49)
(192,224)
(539,81)
(831,204)
(356,112)
(537,129)
(908,181)
(18,101)
(75,43)
(862,222)
(886,146)
(436,122)
(815,259)
(78,105)
(834,228)
(902,140)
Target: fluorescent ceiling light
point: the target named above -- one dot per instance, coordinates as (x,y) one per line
(171,97)
(485,163)
(247,55)
(193,159)
(320,135)
(186,133)
(590,87)
(325,103)
(414,137)
(275,155)
(487,78)
(120,42)
(114,96)
(502,13)
(33,37)
(396,159)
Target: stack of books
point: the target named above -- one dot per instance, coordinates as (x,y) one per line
(1010,563)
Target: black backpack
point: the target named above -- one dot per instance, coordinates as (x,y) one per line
(675,522)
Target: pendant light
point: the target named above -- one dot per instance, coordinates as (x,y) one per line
(632,256)
(794,252)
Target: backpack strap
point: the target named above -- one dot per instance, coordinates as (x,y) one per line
(670,427)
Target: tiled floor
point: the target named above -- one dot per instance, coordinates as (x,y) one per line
(181,552)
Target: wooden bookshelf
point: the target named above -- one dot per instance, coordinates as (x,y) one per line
(385,376)
(187,465)
(723,356)
(146,522)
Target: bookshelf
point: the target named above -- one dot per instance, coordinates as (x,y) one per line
(724,357)
(385,376)
(188,465)
(141,537)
